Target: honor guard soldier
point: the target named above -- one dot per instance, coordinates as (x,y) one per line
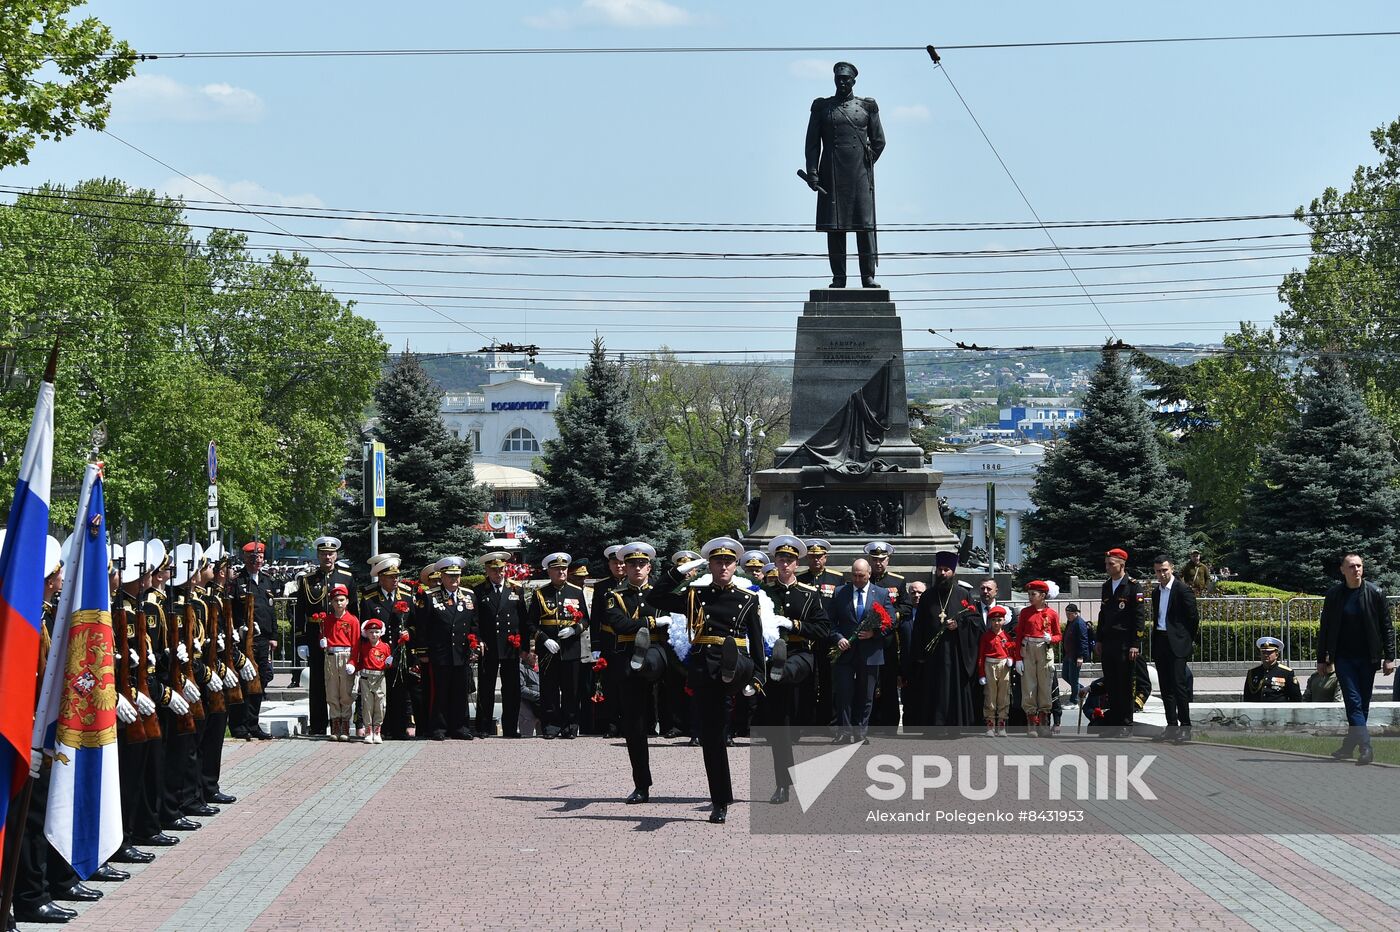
(726,656)
(252,583)
(609,711)
(221,679)
(1122,621)
(140,738)
(886,708)
(803,624)
(313,591)
(176,722)
(753,562)
(642,663)
(500,618)
(446,618)
(674,713)
(390,601)
(555,619)
(826,582)
(180,675)
(1271,681)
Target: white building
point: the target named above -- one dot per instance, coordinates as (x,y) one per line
(1011,469)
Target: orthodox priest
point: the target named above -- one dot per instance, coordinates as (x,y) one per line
(942,673)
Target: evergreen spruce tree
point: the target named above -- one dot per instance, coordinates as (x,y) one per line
(433,501)
(1105,485)
(606,478)
(1327,485)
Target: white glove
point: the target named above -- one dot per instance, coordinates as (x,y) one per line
(1006,661)
(247,671)
(230,681)
(239,631)
(144,705)
(749,690)
(135,657)
(1050,656)
(551,645)
(36,762)
(219,641)
(151,656)
(691,567)
(982,681)
(567,632)
(596,655)
(181,654)
(177,703)
(323,643)
(126,712)
(191,691)
(303,652)
(1020,666)
(350,669)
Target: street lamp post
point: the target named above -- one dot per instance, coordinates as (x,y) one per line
(752,431)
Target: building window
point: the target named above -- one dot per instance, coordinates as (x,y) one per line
(476,441)
(520,440)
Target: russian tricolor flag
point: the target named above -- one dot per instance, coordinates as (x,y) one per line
(22,598)
(76,721)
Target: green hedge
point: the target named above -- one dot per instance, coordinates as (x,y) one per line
(1254,590)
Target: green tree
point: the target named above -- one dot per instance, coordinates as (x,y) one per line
(607,478)
(55,75)
(1105,485)
(433,501)
(1329,483)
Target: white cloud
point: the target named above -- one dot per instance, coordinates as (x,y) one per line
(629,14)
(241,192)
(155,98)
(915,113)
(811,69)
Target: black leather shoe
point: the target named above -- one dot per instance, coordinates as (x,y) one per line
(241,734)
(183,825)
(729,743)
(78,894)
(780,795)
(719,814)
(1182,736)
(109,874)
(158,841)
(1365,757)
(638,796)
(1345,752)
(439,736)
(462,735)
(693,743)
(261,735)
(133,855)
(49,912)
(672,733)
(612,732)
(778,661)
(223,799)
(202,811)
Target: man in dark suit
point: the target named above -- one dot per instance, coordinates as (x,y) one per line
(500,611)
(856,669)
(1120,639)
(1175,626)
(1356,637)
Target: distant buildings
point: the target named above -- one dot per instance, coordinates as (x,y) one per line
(1010,470)
(1033,421)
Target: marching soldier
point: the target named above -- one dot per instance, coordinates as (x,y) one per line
(253,584)
(1122,621)
(641,662)
(726,657)
(313,591)
(886,708)
(446,619)
(791,698)
(1271,681)
(500,613)
(390,601)
(826,583)
(601,635)
(674,714)
(558,612)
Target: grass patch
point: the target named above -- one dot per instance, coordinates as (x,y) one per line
(1387,750)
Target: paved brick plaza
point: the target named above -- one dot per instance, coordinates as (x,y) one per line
(533,834)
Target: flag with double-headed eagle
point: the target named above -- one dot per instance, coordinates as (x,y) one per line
(76,721)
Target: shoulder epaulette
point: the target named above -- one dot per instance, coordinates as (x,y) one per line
(894,575)
(1283,668)
(368,591)
(807,586)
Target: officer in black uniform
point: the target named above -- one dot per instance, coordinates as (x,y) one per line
(674,713)
(816,574)
(446,618)
(1271,681)
(600,633)
(641,662)
(885,711)
(313,589)
(390,601)
(253,583)
(803,623)
(726,656)
(183,785)
(554,622)
(499,614)
(1122,622)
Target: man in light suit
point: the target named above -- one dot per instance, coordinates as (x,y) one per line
(857,668)
(1175,625)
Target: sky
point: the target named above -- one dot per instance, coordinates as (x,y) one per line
(714,139)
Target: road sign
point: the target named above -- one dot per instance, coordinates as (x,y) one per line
(213,520)
(212,464)
(375,475)
(213,497)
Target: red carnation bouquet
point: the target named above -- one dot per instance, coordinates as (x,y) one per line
(400,606)
(877,620)
(513,640)
(473,643)
(573,614)
(320,617)
(968,606)
(600,665)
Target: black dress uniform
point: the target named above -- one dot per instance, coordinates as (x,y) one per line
(790,699)
(394,609)
(629,611)
(1272,682)
(500,613)
(211,741)
(826,583)
(607,716)
(447,619)
(261,589)
(885,711)
(134,757)
(1122,620)
(551,609)
(181,771)
(312,592)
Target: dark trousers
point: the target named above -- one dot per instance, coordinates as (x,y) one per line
(853,694)
(152,792)
(132,771)
(635,705)
(398,707)
(712,699)
(825,713)
(510,696)
(1171,679)
(420,696)
(836,253)
(179,754)
(1118,686)
(488,667)
(318,715)
(211,754)
(673,711)
(33,862)
(1357,678)
(884,710)
(559,694)
(613,709)
(783,712)
(452,685)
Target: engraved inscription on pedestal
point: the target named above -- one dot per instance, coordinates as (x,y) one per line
(848,514)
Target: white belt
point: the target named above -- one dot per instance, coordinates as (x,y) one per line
(371,673)
(338,650)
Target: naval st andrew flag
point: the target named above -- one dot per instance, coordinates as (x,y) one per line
(22,598)
(76,720)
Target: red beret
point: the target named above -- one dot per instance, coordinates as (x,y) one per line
(996,611)
(255,546)
(372,622)
(339,589)
(1120,553)
(1037,585)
